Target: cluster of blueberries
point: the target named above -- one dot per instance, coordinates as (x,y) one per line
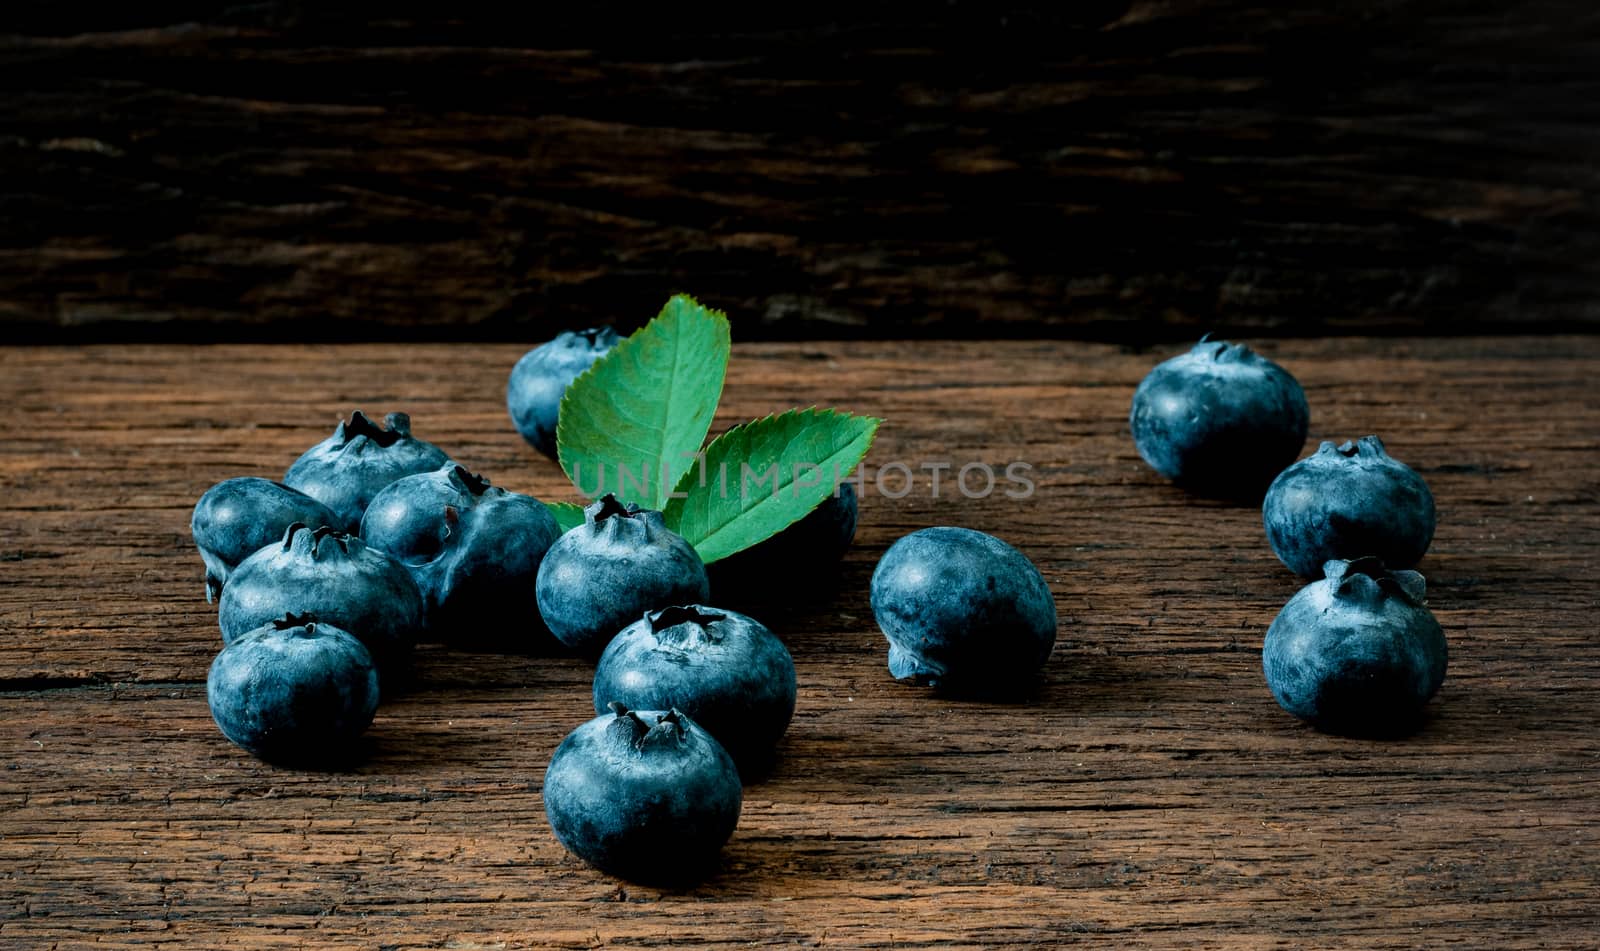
(376,540)
(1355,652)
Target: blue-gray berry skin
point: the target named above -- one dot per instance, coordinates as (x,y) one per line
(294,690)
(337,579)
(406,520)
(541,378)
(805,551)
(1220,420)
(1356,653)
(724,669)
(479,588)
(604,574)
(647,796)
(238,517)
(348,469)
(963,611)
(1348,501)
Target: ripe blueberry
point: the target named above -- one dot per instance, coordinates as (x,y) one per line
(337,579)
(604,574)
(542,376)
(347,469)
(1348,501)
(293,690)
(479,588)
(1219,420)
(236,518)
(963,611)
(647,796)
(1357,652)
(725,670)
(406,520)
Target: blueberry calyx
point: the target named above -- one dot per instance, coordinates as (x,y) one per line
(471,484)
(291,620)
(609,506)
(302,539)
(639,735)
(396,426)
(595,335)
(1367,580)
(1366,447)
(681,625)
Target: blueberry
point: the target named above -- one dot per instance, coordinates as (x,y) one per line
(542,376)
(479,589)
(293,690)
(806,550)
(334,577)
(963,611)
(726,670)
(1219,420)
(1348,501)
(406,519)
(1356,653)
(236,518)
(647,796)
(346,470)
(604,574)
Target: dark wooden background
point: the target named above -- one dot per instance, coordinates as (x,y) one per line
(1126,171)
(1152,796)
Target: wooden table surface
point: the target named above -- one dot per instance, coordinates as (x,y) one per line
(1153,795)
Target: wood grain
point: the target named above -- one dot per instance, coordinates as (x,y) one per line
(1153,795)
(1128,170)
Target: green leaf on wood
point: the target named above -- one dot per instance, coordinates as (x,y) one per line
(763,476)
(569,515)
(631,424)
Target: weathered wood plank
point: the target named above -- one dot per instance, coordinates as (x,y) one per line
(1152,796)
(1125,170)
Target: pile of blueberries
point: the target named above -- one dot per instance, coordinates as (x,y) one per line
(375,540)
(1355,652)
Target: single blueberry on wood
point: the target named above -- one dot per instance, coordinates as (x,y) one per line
(406,520)
(1219,420)
(348,469)
(294,690)
(236,518)
(541,378)
(648,796)
(604,574)
(963,611)
(337,579)
(1356,653)
(727,671)
(479,590)
(1348,501)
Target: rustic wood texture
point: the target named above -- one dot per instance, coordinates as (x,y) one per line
(1153,796)
(1128,170)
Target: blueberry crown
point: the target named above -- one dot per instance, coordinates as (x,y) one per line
(1222,351)
(682,625)
(609,518)
(594,338)
(1368,580)
(1367,447)
(473,485)
(398,428)
(317,542)
(668,730)
(290,621)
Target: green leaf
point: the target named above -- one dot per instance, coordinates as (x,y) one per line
(569,515)
(763,476)
(631,424)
